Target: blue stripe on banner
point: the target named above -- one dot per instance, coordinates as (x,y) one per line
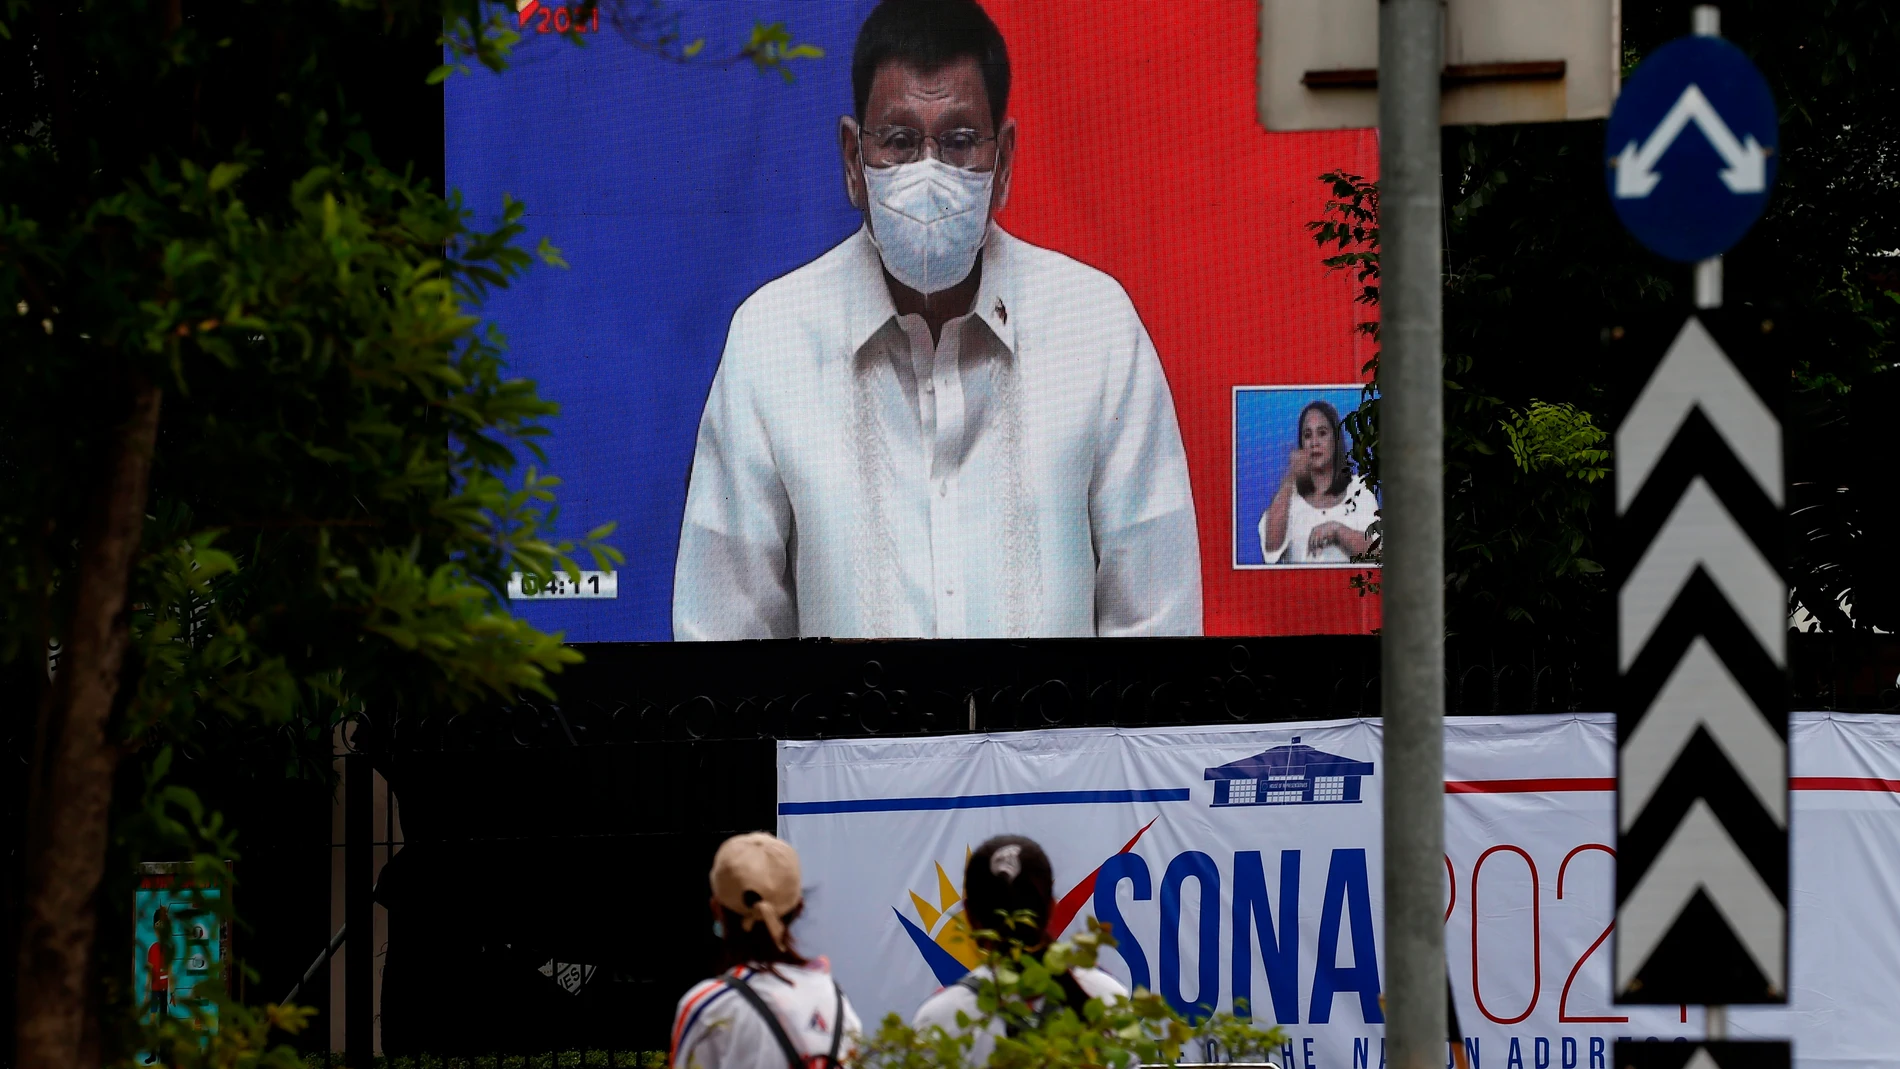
(980,801)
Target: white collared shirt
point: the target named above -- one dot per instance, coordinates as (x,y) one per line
(716,1028)
(1023,476)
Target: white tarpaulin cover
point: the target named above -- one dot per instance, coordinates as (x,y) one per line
(1245,861)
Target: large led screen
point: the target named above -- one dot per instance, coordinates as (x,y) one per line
(991,321)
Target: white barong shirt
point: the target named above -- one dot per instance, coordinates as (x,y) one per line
(1023,476)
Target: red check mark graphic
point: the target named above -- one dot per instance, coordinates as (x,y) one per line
(1071,903)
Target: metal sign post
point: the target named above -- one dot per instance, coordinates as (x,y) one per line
(1435,62)
(1702,725)
(1411,458)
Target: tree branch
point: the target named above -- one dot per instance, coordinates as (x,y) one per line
(67,820)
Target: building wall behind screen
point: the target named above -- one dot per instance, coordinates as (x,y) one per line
(675,190)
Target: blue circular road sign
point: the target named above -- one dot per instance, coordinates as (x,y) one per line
(1691,148)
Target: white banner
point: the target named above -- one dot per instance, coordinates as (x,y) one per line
(1245,862)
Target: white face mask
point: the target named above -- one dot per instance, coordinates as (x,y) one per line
(928,220)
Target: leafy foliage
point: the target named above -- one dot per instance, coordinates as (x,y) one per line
(1821,265)
(572,1059)
(345,475)
(1519,477)
(772,47)
(1540,284)
(653,26)
(1349,224)
(240,1038)
(1021,988)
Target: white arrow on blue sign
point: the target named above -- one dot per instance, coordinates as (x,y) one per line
(1691,148)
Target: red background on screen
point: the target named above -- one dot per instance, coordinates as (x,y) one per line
(1139,154)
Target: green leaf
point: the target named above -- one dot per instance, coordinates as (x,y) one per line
(224,174)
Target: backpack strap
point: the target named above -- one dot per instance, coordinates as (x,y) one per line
(837,1028)
(1072,996)
(792,1058)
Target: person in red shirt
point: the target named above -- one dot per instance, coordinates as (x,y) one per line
(158,972)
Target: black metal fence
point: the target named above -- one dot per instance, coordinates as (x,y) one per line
(551,889)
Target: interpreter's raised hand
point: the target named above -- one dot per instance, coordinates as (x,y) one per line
(1295,466)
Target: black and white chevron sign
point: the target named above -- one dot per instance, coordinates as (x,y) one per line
(1636,1054)
(1702,726)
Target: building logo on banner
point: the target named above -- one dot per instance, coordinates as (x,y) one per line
(1288,775)
(1702,773)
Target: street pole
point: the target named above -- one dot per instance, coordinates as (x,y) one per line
(1705,20)
(359,909)
(1411,468)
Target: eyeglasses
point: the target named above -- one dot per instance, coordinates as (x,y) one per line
(892,146)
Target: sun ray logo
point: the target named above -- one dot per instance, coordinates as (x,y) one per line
(943,937)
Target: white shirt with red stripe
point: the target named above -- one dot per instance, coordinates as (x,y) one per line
(716,1028)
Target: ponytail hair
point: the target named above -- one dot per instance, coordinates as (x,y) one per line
(758,945)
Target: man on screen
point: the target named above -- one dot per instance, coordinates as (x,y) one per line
(936,429)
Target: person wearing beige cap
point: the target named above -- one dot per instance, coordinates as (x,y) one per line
(771,1008)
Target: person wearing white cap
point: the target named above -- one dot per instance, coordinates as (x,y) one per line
(771,1008)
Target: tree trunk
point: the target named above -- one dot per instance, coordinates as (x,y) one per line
(67,815)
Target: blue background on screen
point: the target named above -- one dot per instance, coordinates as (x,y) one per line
(673,191)
(1265,431)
